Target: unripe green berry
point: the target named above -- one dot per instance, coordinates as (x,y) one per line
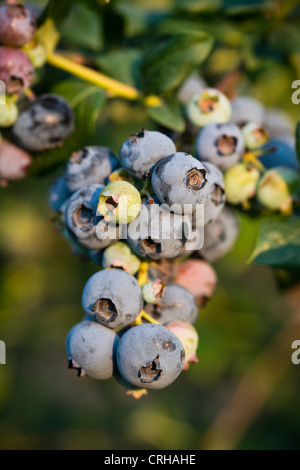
(189,338)
(153,291)
(8,114)
(120,202)
(119,255)
(255,135)
(275,189)
(208,106)
(241,183)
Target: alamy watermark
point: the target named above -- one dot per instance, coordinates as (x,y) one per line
(2,353)
(296,94)
(2,92)
(296,353)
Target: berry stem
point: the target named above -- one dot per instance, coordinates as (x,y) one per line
(149,318)
(143,274)
(115,87)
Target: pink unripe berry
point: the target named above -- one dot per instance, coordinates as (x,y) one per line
(199,278)
(14,162)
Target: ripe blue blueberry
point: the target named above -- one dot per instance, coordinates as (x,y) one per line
(278,122)
(150,356)
(216,198)
(17,25)
(90,165)
(281,154)
(16,70)
(113,297)
(220,236)
(177,303)
(193,84)
(59,193)
(157,233)
(180,179)
(44,124)
(143,150)
(83,221)
(246,109)
(91,350)
(220,144)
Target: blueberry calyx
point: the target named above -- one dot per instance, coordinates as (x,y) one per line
(79,156)
(105,309)
(151,372)
(196,179)
(217,196)
(135,136)
(83,218)
(226,145)
(208,104)
(147,246)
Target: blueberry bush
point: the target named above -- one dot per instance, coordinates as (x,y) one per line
(162,104)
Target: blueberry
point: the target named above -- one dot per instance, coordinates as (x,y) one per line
(255,135)
(189,338)
(216,198)
(199,277)
(154,291)
(193,84)
(281,154)
(246,109)
(208,106)
(14,162)
(241,183)
(44,124)
(8,114)
(220,236)
(119,202)
(177,303)
(119,255)
(141,151)
(220,144)
(113,297)
(90,165)
(156,233)
(91,349)
(16,70)
(17,25)
(150,356)
(83,221)
(59,193)
(278,122)
(180,179)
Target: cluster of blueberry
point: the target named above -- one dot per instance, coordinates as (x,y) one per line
(47,120)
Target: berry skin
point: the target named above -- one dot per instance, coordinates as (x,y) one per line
(156,233)
(113,297)
(82,219)
(14,162)
(189,338)
(255,135)
(193,84)
(8,114)
(278,122)
(59,193)
(180,179)
(208,106)
(199,277)
(220,236)
(143,150)
(274,191)
(153,292)
(216,198)
(241,183)
(246,109)
(17,25)
(177,303)
(16,70)
(220,144)
(119,255)
(90,165)
(91,349)
(150,356)
(281,154)
(44,124)
(119,202)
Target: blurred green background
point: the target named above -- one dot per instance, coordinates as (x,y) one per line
(45,406)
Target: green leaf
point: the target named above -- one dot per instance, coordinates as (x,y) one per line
(123,65)
(278,244)
(198,6)
(83,28)
(170,62)
(169,115)
(241,7)
(87,102)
